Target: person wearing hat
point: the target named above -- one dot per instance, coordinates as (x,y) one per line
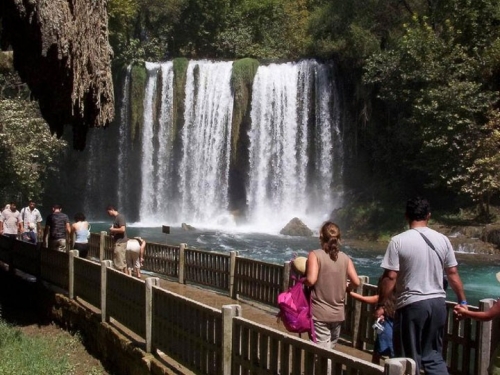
(134,255)
(299,265)
(462,312)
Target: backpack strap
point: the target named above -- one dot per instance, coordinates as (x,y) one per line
(429,243)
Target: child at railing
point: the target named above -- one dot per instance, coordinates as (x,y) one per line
(30,235)
(383,340)
(462,312)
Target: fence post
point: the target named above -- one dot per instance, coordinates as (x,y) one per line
(400,366)
(104,269)
(285,283)
(228,313)
(356,324)
(232,268)
(102,242)
(71,273)
(182,262)
(149,282)
(485,338)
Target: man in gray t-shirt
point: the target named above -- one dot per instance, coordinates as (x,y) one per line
(413,271)
(118,231)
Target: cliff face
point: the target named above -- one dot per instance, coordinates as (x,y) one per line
(61,50)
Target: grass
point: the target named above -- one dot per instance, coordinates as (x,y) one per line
(21,354)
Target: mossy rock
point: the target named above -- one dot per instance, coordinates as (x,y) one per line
(138,79)
(296,228)
(242,77)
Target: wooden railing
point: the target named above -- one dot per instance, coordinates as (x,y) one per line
(467,344)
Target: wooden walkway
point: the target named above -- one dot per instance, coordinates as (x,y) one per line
(250,310)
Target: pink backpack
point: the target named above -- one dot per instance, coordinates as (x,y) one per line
(295,310)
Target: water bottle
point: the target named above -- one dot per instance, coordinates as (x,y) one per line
(378,327)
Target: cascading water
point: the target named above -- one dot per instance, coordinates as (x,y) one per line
(206,139)
(123,141)
(176,167)
(156,144)
(286,178)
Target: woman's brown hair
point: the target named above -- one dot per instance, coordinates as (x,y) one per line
(329,237)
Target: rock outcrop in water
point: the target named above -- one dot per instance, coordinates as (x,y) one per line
(296,228)
(187,227)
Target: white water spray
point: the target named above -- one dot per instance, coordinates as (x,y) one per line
(287,179)
(206,140)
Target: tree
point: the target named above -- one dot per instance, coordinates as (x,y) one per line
(27,150)
(438,84)
(143,29)
(61,50)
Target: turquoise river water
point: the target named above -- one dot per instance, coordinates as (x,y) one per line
(477,271)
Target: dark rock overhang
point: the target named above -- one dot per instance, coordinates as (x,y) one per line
(61,50)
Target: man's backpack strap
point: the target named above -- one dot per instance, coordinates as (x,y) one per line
(429,243)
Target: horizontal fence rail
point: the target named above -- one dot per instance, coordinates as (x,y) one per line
(178,323)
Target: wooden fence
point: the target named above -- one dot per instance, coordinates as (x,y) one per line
(467,343)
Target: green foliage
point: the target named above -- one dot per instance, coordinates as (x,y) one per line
(27,150)
(155,30)
(23,355)
(143,29)
(270,29)
(353,30)
(138,77)
(242,77)
(436,84)
(373,220)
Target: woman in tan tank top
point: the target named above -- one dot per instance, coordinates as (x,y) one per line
(328,272)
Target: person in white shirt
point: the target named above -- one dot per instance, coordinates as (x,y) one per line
(31,215)
(10,222)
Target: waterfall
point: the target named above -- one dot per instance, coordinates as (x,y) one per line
(286,178)
(123,141)
(206,139)
(156,144)
(179,169)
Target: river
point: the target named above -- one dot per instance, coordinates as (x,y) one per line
(476,270)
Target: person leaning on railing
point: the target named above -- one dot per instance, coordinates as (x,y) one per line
(135,255)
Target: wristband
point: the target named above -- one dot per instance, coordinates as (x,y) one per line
(463,302)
